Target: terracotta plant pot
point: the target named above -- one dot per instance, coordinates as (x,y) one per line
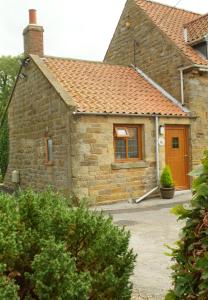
(167,193)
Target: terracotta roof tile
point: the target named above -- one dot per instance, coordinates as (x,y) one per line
(103,88)
(171,21)
(197,29)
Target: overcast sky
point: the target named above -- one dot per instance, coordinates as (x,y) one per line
(73,28)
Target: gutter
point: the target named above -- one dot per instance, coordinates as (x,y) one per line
(202,68)
(79,113)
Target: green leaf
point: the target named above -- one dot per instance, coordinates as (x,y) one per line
(170,296)
(179,210)
(198,171)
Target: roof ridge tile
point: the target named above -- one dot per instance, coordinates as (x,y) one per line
(82,60)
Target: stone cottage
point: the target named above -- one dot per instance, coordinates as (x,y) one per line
(105,130)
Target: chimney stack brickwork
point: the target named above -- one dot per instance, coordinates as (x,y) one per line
(33,36)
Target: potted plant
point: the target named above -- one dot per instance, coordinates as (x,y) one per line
(167,187)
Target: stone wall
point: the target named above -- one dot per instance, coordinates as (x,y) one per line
(95,173)
(37,111)
(196,99)
(155,53)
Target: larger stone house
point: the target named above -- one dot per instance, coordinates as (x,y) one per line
(105,130)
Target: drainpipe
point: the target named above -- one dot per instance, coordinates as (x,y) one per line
(182,86)
(157,158)
(157,155)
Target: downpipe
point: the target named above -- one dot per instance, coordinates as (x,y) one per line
(157,158)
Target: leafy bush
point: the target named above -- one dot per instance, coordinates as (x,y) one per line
(190,271)
(9,67)
(166,179)
(50,250)
(4,149)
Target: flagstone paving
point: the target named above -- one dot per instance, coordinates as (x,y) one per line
(152,226)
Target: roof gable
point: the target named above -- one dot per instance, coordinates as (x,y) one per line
(197,29)
(111,89)
(171,21)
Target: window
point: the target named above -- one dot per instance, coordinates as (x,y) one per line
(175,142)
(128,142)
(49,151)
(202,48)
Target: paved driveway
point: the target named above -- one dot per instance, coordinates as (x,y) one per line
(152,226)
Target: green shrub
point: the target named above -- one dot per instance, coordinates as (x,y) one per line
(166,179)
(4,149)
(50,250)
(190,271)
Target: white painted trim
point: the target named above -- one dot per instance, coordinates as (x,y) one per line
(185,33)
(160,89)
(182,86)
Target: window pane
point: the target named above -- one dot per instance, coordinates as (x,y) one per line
(120,149)
(133,143)
(175,142)
(50,149)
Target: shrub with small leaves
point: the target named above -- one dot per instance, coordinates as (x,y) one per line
(166,179)
(52,250)
(190,271)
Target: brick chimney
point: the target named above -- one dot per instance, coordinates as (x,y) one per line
(33,36)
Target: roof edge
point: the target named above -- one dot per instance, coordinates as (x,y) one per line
(161,90)
(83,60)
(174,7)
(193,21)
(164,33)
(108,114)
(68,100)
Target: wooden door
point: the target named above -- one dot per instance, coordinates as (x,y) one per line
(176,154)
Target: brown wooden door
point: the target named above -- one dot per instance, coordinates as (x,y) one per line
(176,154)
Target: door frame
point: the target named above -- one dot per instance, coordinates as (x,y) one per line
(186,129)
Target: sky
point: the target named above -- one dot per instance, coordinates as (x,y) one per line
(73,28)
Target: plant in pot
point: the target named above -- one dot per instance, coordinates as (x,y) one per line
(167,188)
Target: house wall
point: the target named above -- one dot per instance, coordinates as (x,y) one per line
(96,175)
(196,99)
(155,53)
(160,59)
(36,111)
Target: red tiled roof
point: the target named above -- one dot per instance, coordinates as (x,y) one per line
(171,21)
(104,88)
(197,29)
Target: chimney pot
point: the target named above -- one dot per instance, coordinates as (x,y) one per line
(33,36)
(32,16)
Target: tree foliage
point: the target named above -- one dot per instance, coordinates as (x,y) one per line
(190,271)
(8,71)
(50,250)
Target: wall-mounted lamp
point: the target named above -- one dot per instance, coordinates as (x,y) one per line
(161,130)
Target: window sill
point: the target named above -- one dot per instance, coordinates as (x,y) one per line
(129,165)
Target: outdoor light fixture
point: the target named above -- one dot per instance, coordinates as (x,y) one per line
(25,62)
(161,130)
